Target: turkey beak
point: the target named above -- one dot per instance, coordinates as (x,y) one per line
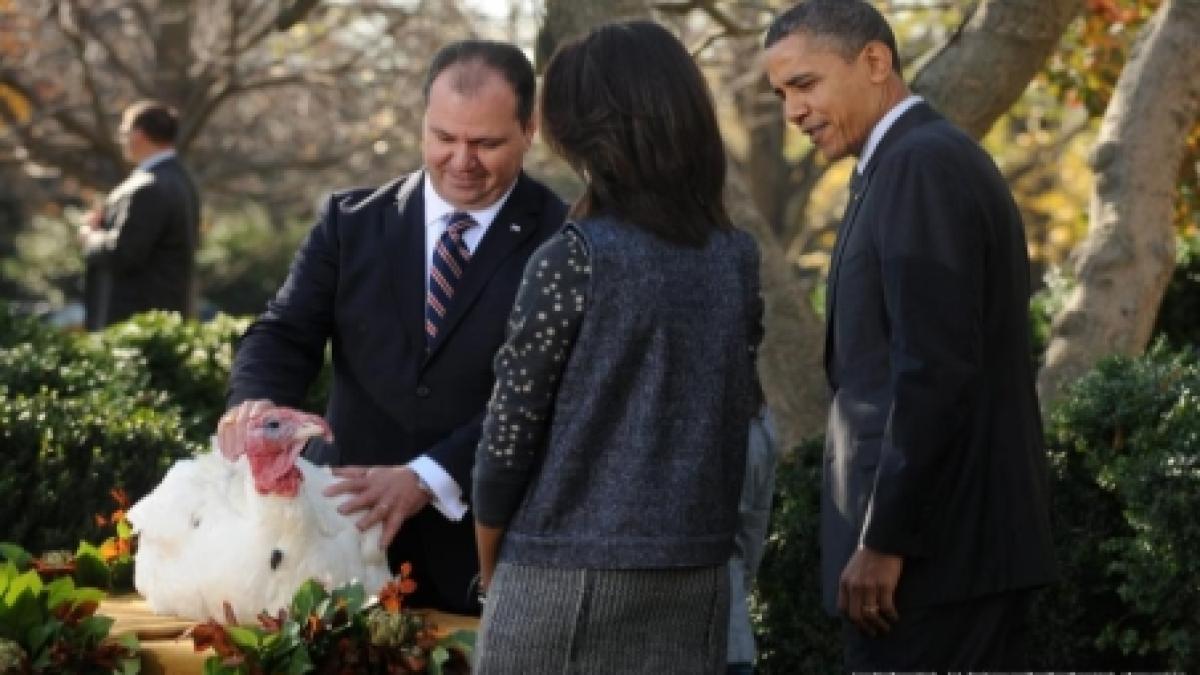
(309,430)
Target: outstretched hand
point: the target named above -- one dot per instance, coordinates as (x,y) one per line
(388,495)
(866,592)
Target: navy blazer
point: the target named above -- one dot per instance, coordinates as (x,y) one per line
(934,448)
(358,283)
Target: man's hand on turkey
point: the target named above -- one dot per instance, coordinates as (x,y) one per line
(388,495)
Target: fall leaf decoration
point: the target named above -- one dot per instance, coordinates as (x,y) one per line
(391,597)
(336,631)
(212,635)
(49,623)
(72,613)
(117,548)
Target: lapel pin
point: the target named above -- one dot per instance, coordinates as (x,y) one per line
(515,227)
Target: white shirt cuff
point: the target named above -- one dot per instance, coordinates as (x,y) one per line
(447,495)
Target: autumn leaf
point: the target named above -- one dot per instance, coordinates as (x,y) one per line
(212,635)
(71,613)
(272,623)
(230,616)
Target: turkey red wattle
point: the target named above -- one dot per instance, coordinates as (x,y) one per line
(274,440)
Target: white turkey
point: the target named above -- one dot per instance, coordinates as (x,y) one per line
(247,526)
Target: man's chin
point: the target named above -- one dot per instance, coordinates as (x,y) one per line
(469,200)
(832,154)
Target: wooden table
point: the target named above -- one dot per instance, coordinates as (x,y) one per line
(166,650)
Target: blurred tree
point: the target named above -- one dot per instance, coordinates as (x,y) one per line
(278,100)
(1145,162)
(281,101)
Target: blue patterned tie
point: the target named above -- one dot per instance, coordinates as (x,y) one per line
(450,258)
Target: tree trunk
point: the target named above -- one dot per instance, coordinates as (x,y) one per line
(981,72)
(173,53)
(1123,266)
(766,169)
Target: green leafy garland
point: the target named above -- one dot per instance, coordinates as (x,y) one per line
(336,631)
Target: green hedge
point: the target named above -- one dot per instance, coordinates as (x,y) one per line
(189,360)
(76,420)
(81,414)
(793,633)
(1124,451)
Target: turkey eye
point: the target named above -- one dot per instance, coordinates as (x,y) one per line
(273,425)
(276,558)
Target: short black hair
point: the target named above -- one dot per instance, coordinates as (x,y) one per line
(848,24)
(506,59)
(158,121)
(628,108)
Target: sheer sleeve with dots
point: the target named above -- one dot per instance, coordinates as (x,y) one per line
(545,319)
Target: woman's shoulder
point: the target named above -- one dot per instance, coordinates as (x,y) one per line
(568,246)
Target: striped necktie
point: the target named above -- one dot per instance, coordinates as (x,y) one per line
(450,258)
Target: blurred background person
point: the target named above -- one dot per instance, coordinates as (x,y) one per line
(140,246)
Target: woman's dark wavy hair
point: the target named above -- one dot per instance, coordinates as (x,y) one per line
(628,109)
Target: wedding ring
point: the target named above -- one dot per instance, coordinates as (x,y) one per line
(870,609)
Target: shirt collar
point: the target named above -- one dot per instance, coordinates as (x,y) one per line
(436,208)
(881,127)
(156,159)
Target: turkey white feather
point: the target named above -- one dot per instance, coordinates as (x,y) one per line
(247,526)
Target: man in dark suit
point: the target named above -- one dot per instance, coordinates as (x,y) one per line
(412,283)
(140,248)
(935,519)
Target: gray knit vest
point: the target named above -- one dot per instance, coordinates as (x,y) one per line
(644,460)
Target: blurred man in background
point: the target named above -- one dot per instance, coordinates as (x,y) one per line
(140,247)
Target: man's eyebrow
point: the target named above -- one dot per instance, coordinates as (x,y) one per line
(799,79)
(470,139)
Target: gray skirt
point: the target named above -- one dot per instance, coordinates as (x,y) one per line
(547,620)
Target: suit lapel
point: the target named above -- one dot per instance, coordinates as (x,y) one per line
(915,116)
(511,228)
(858,189)
(404,237)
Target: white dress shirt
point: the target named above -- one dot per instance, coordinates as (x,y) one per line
(155,159)
(447,494)
(881,127)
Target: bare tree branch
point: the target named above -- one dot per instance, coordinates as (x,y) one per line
(70,16)
(116,61)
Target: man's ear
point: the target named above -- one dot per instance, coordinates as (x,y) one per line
(879,60)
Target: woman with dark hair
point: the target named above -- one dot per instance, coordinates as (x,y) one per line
(607,477)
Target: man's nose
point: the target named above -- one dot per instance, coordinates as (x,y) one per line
(463,157)
(795,109)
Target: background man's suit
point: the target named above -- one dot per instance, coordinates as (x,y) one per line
(359,280)
(934,449)
(146,257)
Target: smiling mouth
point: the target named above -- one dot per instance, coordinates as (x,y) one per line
(464,180)
(814,130)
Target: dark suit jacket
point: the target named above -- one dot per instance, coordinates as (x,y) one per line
(358,281)
(145,259)
(934,448)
